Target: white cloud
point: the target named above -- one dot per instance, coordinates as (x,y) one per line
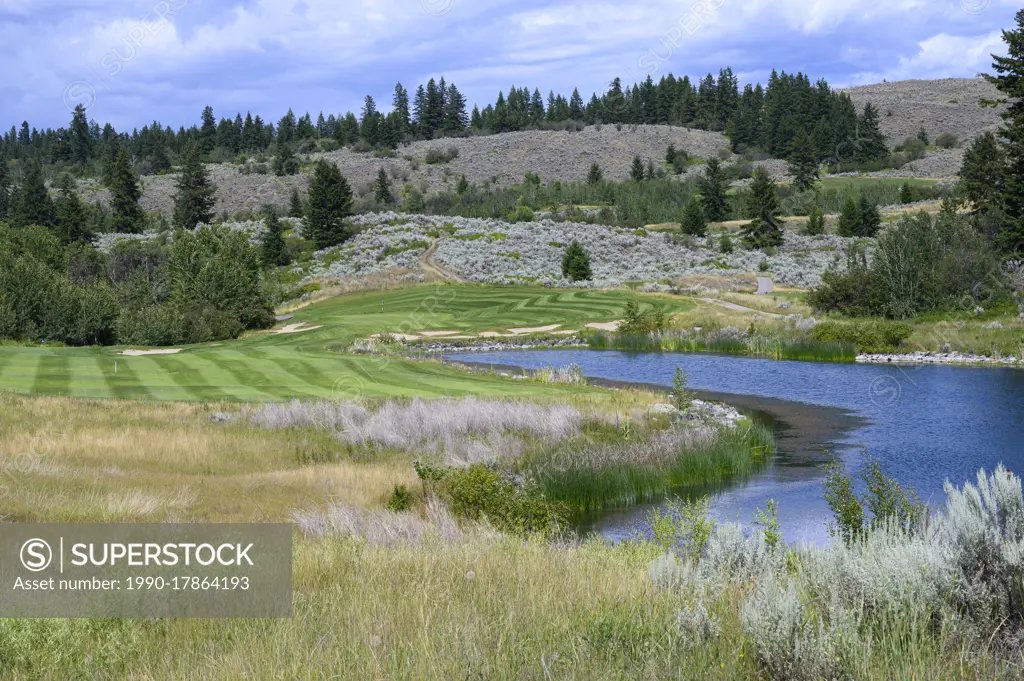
(941,56)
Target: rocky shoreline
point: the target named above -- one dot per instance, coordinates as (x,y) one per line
(940,358)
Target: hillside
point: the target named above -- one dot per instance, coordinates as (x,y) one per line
(500,159)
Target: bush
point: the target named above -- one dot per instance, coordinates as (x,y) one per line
(400,500)
(871,336)
(479,492)
(522,213)
(636,321)
(946,140)
(438,156)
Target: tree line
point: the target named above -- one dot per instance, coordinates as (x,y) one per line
(774,118)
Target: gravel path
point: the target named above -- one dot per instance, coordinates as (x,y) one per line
(764,286)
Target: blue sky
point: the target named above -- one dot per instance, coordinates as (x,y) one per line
(130,61)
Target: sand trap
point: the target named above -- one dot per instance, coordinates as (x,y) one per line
(295,328)
(566,332)
(492,334)
(536,329)
(140,353)
(399,336)
(433,334)
(604,326)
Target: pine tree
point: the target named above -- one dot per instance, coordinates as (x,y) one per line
(295,207)
(400,107)
(462,185)
(285,162)
(32,203)
(693,222)
(455,118)
(5,187)
(595,175)
(849,219)
(815,222)
(126,214)
(802,164)
(922,135)
(208,131)
(983,172)
(382,189)
(196,195)
(713,186)
(870,140)
(330,202)
(763,205)
(870,219)
(369,124)
(71,218)
(637,171)
(273,250)
(576,262)
(670,155)
(79,136)
(286,127)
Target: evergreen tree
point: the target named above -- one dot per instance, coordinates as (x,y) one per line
(5,187)
(382,189)
(208,131)
(802,164)
(196,195)
(595,175)
(870,140)
(576,262)
(295,207)
(637,171)
(849,219)
(670,155)
(983,173)
(922,135)
(462,185)
(32,203)
(870,219)
(286,127)
(713,186)
(369,124)
(455,118)
(815,222)
(285,162)
(330,202)
(906,193)
(693,222)
(71,218)
(273,250)
(126,214)
(400,107)
(763,205)
(80,137)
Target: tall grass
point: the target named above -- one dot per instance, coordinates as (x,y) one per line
(771,345)
(589,478)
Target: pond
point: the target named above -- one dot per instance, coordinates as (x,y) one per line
(925,424)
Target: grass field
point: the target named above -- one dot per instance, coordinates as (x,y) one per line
(271,367)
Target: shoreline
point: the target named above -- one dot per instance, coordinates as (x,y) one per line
(922,357)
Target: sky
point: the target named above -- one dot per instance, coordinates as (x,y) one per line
(132,61)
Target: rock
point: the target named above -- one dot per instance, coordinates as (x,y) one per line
(785,305)
(664,409)
(979,310)
(992,326)
(221,417)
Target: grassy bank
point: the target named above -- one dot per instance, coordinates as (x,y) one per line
(778,345)
(589,478)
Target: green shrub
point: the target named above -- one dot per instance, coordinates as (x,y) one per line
(576,262)
(870,336)
(400,500)
(946,140)
(479,492)
(522,213)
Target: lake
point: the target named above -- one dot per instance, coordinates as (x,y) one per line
(925,424)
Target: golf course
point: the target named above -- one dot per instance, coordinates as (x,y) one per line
(309,364)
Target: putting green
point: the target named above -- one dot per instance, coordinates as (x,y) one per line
(271,367)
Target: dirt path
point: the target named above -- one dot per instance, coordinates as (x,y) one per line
(428,264)
(737,308)
(764,286)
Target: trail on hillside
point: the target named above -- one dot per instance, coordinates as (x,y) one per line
(427,264)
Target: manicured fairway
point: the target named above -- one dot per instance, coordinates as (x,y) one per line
(269,367)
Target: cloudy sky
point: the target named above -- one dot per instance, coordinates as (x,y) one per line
(130,61)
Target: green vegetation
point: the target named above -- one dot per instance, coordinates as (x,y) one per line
(576,262)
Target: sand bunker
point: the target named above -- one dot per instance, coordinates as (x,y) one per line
(604,326)
(295,328)
(433,334)
(536,329)
(140,353)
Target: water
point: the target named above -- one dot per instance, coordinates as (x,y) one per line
(925,424)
